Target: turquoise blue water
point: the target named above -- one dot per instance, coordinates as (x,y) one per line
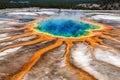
(26,19)
(65,28)
(5,16)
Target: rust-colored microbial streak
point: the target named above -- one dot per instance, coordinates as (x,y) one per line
(92,37)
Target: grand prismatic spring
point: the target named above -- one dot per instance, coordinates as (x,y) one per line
(65,31)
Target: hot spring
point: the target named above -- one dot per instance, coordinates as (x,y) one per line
(65,28)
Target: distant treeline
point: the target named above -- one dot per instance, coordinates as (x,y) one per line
(80,1)
(64,5)
(38,4)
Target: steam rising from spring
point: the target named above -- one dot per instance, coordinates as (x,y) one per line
(69,15)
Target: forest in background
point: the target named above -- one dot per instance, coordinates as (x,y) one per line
(65,4)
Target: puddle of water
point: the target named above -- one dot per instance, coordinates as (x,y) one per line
(26,19)
(5,16)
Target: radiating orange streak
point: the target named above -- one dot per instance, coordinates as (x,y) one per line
(112,34)
(16,29)
(94,40)
(23,44)
(111,38)
(18,36)
(91,41)
(83,75)
(34,60)
(116,27)
(98,39)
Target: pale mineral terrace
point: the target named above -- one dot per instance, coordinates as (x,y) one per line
(52,65)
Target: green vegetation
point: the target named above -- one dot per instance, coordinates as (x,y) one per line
(38,4)
(55,4)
